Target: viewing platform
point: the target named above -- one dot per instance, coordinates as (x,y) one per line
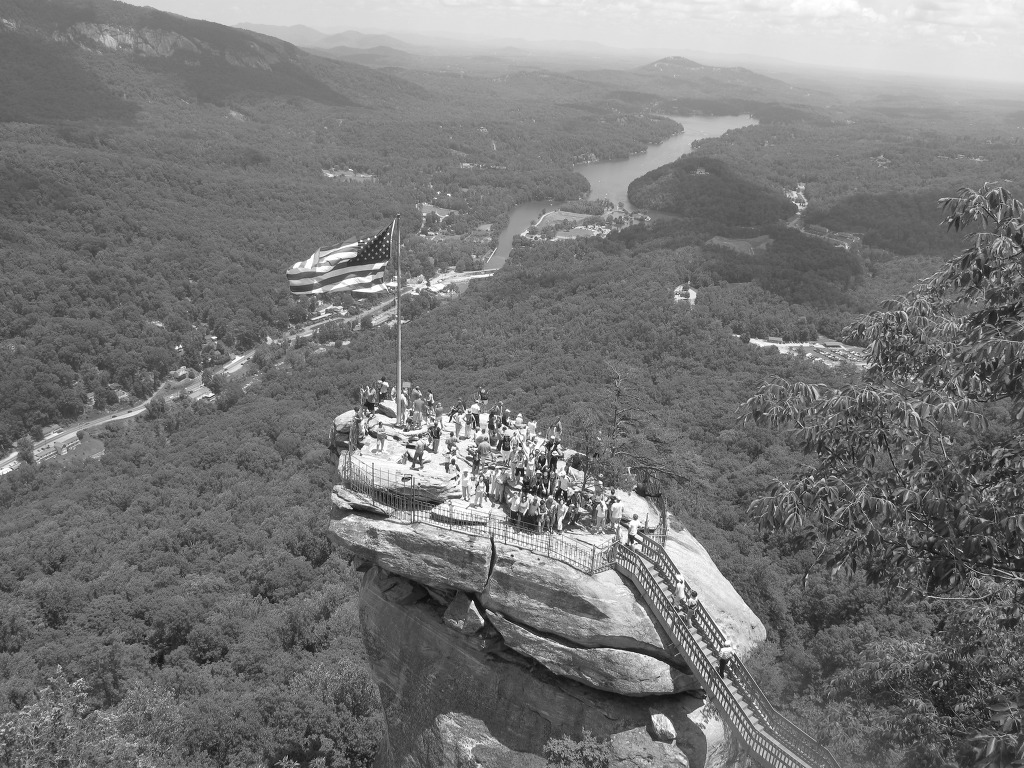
(580,601)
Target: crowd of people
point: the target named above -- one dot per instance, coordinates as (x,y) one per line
(508,464)
(504,462)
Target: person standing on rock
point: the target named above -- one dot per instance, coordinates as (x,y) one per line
(419,411)
(725,656)
(595,515)
(621,535)
(482,396)
(478,492)
(455,414)
(614,511)
(417,457)
(434,431)
(381,437)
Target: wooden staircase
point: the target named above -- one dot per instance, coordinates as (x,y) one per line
(770,738)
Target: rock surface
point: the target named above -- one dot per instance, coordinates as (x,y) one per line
(432,556)
(717,594)
(634,749)
(459,741)
(390,471)
(661,728)
(552,597)
(463,616)
(607,669)
(425,670)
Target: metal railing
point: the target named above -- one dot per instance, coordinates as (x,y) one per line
(398,497)
(772,739)
(761,722)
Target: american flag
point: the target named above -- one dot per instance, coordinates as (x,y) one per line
(343,267)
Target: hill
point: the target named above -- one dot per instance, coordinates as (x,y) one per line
(709,195)
(199,59)
(160,173)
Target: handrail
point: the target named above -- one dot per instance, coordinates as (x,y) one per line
(409,506)
(771,738)
(784,732)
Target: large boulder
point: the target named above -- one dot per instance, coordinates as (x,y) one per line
(346,501)
(717,594)
(645,511)
(601,611)
(390,473)
(458,741)
(463,616)
(425,670)
(661,728)
(634,749)
(433,556)
(607,669)
(342,428)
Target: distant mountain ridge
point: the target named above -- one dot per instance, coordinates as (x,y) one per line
(41,45)
(307,37)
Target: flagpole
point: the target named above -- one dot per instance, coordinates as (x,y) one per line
(396,229)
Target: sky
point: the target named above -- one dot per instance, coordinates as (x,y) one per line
(967,39)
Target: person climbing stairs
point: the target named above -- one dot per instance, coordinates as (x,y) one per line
(771,739)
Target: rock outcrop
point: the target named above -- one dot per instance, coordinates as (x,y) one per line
(606,669)
(486,643)
(716,592)
(633,749)
(432,556)
(460,741)
(591,611)
(448,694)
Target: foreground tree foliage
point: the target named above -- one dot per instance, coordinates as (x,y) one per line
(919,484)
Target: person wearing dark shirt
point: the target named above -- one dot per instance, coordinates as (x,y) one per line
(434,431)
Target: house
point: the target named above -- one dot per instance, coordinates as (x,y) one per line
(45,453)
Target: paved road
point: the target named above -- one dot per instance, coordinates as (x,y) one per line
(195,389)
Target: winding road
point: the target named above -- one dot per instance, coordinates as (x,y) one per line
(197,389)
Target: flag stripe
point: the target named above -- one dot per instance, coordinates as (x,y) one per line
(334,275)
(323,261)
(341,279)
(313,277)
(343,267)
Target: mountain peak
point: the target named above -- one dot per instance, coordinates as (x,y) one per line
(672,64)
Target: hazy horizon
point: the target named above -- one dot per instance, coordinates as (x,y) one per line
(965,39)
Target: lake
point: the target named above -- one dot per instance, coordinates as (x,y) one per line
(611,180)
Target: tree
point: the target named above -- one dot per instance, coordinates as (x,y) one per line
(588,752)
(156,407)
(59,729)
(919,480)
(25,447)
(608,430)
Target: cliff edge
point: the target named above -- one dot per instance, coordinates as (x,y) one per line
(482,648)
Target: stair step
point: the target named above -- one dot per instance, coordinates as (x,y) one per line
(666,586)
